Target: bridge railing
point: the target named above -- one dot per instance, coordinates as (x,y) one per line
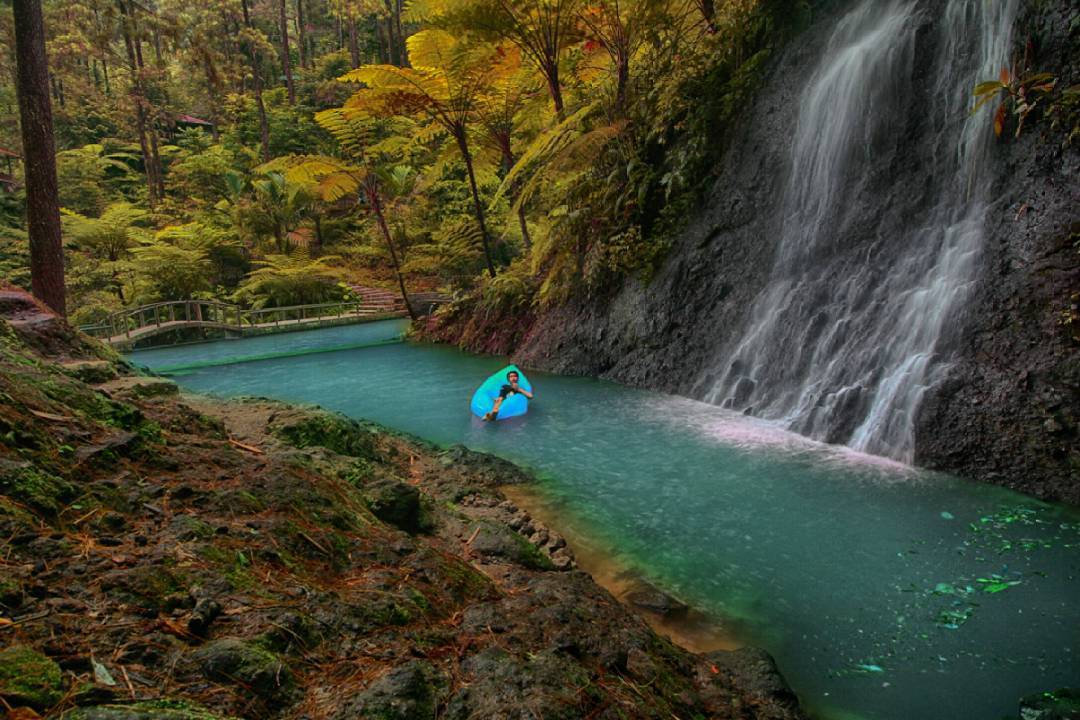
(300,313)
(211,313)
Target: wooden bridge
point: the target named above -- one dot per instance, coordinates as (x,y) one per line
(126,328)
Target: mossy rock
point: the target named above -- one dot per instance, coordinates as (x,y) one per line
(33,487)
(93,372)
(189,527)
(1063,704)
(291,631)
(333,432)
(11,593)
(408,692)
(394,502)
(501,541)
(148,587)
(29,678)
(461,580)
(235,661)
(151,710)
(142,386)
(14,520)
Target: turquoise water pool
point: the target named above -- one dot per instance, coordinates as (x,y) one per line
(883,592)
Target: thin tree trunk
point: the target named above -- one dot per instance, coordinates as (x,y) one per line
(386,32)
(256,81)
(526,239)
(301,33)
(140,109)
(400,34)
(463,146)
(392,33)
(551,73)
(158,58)
(286,60)
(354,47)
(212,89)
(39,156)
(105,76)
(708,11)
(155,173)
(623,79)
(159,171)
(372,193)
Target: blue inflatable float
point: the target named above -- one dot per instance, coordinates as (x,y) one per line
(484,398)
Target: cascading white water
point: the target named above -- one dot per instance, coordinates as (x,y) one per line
(843,344)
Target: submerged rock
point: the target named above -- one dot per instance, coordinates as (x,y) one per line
(1063,704)
(656,601)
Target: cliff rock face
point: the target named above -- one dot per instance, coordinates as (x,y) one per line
(1003,402)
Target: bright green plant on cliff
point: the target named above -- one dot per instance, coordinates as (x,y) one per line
(1021,95)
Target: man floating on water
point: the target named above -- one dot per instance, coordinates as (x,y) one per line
(510,388)
(504,395)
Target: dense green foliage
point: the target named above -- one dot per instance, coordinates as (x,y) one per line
(273,153)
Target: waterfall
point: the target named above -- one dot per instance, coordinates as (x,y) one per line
(854,322)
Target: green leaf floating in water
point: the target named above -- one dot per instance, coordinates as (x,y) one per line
(871,668)
(996,585)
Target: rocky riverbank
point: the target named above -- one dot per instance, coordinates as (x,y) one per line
(1008,411)
(163,556)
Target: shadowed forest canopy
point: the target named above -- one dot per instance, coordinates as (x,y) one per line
(271,152)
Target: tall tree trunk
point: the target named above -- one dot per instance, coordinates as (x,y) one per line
(318,233)
(386,32)
(400,34)
(159,171)
(354,47)
(212,88)
(256,81)
(551,74)
(105,76)
(463,146)
(39,156)
(708,11)
(286,60)
(393,32)
(526,239)
(158,58)
(301,33)
(372,192)
(127,31)
(622,81)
